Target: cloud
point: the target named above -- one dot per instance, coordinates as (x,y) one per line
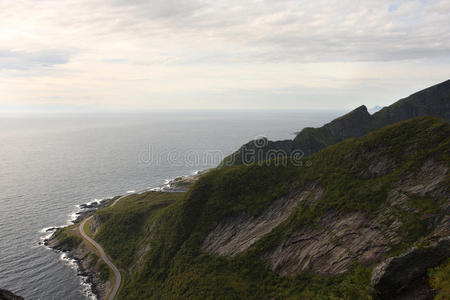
(302,31)
(232,31)
(22,60)
(198,53)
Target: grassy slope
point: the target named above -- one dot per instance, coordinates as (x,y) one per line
(440,280)
(126,225)
(175,268)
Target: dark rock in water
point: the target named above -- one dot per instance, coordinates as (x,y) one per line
(89,208)
(7,295)
(82,214)
(85,212)
(397,275)
(51,229)
(92,205)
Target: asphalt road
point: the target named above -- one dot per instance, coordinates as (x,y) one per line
(117,275)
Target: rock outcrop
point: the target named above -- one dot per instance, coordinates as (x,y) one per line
(333,246)
(95,224)
(235,234)
(396,275)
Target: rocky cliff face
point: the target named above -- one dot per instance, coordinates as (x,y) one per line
(339,239)
(433,101)
(235,234)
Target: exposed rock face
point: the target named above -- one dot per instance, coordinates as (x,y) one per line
(342,239)
(95,224)
(339,239)
(395,275)
(7,295)
(433,101)
(235,234)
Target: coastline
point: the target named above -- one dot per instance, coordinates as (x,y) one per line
(79,257)
(93,286)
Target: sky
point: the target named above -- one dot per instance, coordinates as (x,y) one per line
(143,55)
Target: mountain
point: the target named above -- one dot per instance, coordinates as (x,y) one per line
(433,101)
(366,218)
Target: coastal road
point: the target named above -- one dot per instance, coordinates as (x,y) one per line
(117,275)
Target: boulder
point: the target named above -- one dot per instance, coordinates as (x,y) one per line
(397,274)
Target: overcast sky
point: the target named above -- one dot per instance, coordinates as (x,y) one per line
(146,54)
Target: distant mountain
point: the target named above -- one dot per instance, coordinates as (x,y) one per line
(433,101)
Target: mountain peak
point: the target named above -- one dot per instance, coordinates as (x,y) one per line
(432,101)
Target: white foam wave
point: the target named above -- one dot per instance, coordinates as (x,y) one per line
(155,189)
(47,231)
(47,236)
(86,286)
(72,217)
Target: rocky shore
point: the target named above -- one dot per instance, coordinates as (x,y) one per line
(66,240)
(84,258)
(86,262)
(88,208)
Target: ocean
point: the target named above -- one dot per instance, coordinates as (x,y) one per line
(50,164)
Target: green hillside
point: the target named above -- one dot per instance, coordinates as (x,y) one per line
(157,237)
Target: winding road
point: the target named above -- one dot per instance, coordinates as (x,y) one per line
(106,259)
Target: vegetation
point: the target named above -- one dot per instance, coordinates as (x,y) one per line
(93,259)
(125,226)
(175,268)
(104,271)
(440,280)
(66,240)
